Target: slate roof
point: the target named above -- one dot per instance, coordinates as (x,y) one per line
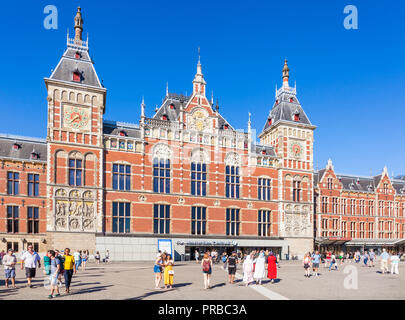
(269,150)
(26,145)
(173,114)
(115,127)
(284,109)
(69,64)
(362,184)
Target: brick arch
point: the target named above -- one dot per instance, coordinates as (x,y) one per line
(90,169)
(60,166)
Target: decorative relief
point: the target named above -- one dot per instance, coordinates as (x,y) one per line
(181,201)
(142,198)
(199,121)
(297,224)
(162,151)
(217,203)
(232,159)
(75,212)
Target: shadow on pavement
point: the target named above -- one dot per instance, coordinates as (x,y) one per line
(90,290)
(159,291)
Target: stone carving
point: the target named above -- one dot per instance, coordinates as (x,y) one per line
(232,159)
(250,205)
(142,198)
(217,203)
(162,151)
(199,121)
(296,224)
(74,213)
(200,155)
(181,201)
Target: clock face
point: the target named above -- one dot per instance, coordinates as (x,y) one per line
(76,117)
(296,150)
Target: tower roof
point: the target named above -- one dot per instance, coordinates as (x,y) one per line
(286,108)
(76,60)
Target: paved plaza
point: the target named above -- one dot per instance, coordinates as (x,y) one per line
(135,280)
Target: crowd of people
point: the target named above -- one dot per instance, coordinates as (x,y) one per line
(56,265)
(253,267)
(367,258)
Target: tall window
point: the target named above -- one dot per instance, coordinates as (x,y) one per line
(370,208)
(324,205)
(352,206)
(344,229)
(12,219)
(13,183)
(121,217)
(371,230)
(362,206)
(264,189)
(232,182)
(353,229)
(33,220)
(161,218)
(330,183)
(198,179)
(325,227)
(264,223)
(121,177)
(198,220)
(232,222)
(335,205)
(161,175)
(343,203)
(362,230)
(296,190)
(75,172)
(33,185)
(385,188)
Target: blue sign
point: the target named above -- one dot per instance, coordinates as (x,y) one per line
(165,245)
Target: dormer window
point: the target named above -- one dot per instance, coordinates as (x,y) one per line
(291,99)
(358,181)
(76,76)
(171,106)
(269,121)
(77,55)
(226,126)
(123,133)
(164,117)
(16,146)
(296,117)
(276,102)
(34,156)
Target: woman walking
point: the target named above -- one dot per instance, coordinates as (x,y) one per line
(248,270)
(307,264)
(206,264)
(272,267)
(97,257)
(85,255)
(169,272)
(157,269)
(260,268)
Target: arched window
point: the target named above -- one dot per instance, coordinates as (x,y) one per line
(161,175)
(75,172)
(296,190)
(198,178)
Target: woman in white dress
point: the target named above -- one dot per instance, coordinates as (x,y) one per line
(260,268)
(248,270)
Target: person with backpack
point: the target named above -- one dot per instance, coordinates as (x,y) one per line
(55,270)
(62,263)
(232,262)
(206,264)
(224,259)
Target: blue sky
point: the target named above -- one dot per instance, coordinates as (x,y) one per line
(350,82)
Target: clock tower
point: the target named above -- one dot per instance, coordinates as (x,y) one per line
(290,132)
(76,104)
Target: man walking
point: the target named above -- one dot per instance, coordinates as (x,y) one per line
(316,259)
(384,261)
(372,257)
(69,267)
(30,259)
(9,262)
(232,262)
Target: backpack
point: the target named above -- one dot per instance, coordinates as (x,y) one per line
(206,265)
(224,259)
(61,261)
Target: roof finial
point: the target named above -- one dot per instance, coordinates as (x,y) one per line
(78,25)
(199,55)
(143,107)
(286,74)
(217,106)
(167,89)
(212,97)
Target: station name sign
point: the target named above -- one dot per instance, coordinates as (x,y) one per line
(207,243)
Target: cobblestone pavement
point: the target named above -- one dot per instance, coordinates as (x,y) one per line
(135,280)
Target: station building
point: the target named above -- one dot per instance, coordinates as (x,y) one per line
(183,176)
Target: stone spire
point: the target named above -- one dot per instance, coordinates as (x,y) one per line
(286,74)
(199,82)
(78,25)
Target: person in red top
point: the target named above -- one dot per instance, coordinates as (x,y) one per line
(272,267)
(328,257)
